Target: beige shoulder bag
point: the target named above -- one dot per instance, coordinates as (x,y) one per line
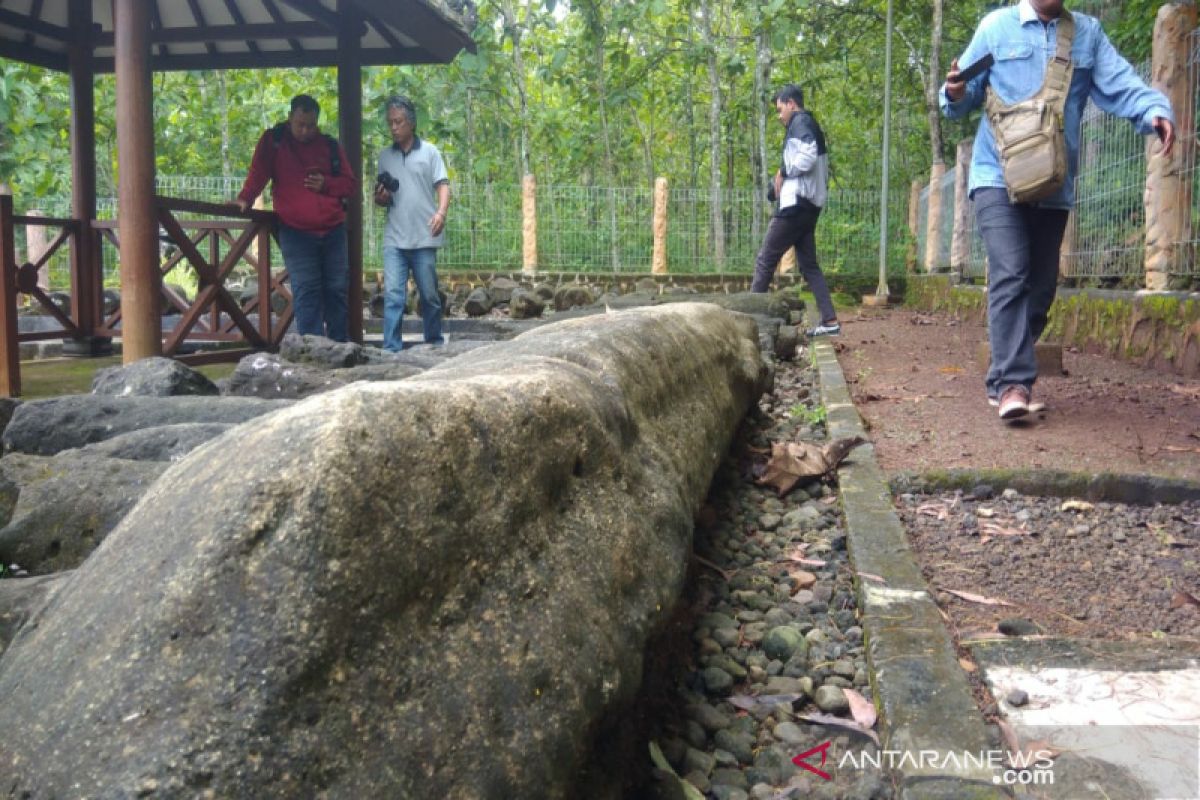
(1029,134)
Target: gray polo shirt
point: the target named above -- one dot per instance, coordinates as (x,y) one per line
(414,204)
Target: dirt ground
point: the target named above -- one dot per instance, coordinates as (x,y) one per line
(915,381)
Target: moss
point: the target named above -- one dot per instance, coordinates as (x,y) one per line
(56,376)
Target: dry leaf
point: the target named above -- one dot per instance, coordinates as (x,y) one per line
(967,665)
(810,562)
(1171,448)
(977,598)
(1183,598)
(1000,530)
(1040,748)
(795,461)
(803,579)
(934,510)
(870,577)
(1010,737)
(1186,391)
(1076,505)
(950,370)
(986,513)
(862,709)
(839,722)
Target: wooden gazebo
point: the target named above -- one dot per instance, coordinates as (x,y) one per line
(134,38)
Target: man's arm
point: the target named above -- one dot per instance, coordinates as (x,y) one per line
(1117,89)
(438,222)
(258,175)
(956,97)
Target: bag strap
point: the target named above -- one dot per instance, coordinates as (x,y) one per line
(1060,69)
(1057,81)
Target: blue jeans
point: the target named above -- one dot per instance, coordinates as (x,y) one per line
(397,264)
(1023,244)
(319,270)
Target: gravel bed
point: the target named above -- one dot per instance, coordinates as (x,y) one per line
(1095,570)
(772,640)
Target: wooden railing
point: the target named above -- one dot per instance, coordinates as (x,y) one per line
(214,315)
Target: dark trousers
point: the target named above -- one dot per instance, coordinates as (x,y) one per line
(796,230)
(1023,244)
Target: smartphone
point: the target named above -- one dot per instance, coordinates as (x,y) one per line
(968,74)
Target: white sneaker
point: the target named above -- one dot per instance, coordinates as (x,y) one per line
(1034,407)
(826,329)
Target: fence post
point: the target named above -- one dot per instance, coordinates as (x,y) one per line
(1168,192)
(933,225)
(529,225)
(10,361)
(914,217)
(788,262)
(658,257)
(1066,254)
(960,244)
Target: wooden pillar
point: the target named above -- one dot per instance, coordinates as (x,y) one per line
(933,225)
(10,360)
(960,245)
(36,241)
(349,81)
(87,280)
(141,321)
(1168,181)
(658,257)
(529,254)
(788,262)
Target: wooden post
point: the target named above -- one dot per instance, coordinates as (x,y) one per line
(1168,188)
(1066,254)
(960,246)
(788,262)
(529,254)
(914,219)
(10,351)
(35,248)
(658,258)
(87,280)
(349,81)
(141,322)
(933,225)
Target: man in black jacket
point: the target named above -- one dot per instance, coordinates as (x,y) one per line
(801,185)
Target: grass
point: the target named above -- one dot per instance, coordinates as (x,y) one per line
(51,377)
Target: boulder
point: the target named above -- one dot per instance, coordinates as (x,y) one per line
(45,427)
(375,305)
(67,504)
(21,598)
(318,350)
(8,405)
(112,302)
(269,376)
(396,596)
(162,443)
(646,286)
(572,295)
(545,291)
(479,302)
(152,377)
(525,304)
(501,289)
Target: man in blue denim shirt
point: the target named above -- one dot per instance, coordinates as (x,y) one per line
(1023,240)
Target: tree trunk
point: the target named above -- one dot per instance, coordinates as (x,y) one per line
(513,28)
(933,84)
(714,136)
(762,83)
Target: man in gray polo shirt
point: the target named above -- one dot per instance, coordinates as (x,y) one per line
(416,218)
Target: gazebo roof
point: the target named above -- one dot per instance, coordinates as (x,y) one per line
(242,34)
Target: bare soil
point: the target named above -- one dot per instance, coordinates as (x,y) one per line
(1102,570)
(915,381)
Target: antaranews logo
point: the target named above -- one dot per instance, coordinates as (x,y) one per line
(1031,768)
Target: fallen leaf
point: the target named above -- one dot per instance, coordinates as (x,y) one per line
(1010,738)
(870,577)
(839,722)
(950,370)
(986,513)
(1001,530)
(795,461)
(862,709)
(1187,391)
(1176,449)
(967,665)
(810,562)
(1076,505)
(803,579)
(934,510)
(1183,598)
(984,539)
(970,597)
(1039,749)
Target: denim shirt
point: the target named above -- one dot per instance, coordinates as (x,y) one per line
(1022,46)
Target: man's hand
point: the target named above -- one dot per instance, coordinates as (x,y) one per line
(382,197)
(314,181)
(1166,134)
(242,205)
(956,87)
(778,183)
(437,222)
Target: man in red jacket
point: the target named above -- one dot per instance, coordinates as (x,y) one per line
(310,178)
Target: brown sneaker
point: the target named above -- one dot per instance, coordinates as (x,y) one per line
(1014,402)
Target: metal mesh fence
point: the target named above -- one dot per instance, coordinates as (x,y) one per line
(1185,253)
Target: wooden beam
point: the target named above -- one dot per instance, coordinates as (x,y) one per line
(31,24)
(231,33)
(37,56)
(10,351)
(318,12)
(156,23)
(87,288)
(141,329)
(235,14)
(277,18)
(379,56)
(201,23)
(35,11)
(349,79)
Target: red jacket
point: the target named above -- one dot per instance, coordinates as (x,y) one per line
(285,163)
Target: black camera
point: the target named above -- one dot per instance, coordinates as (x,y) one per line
(771,198)
(384,180)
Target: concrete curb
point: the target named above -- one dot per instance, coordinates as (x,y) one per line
(1105,487)
(924,697)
